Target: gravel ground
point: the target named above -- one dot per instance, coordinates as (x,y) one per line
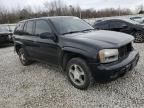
(44,86)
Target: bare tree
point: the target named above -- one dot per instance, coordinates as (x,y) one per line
(57,8)
(140,9)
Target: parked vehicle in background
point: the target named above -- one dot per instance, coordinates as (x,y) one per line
(124,25)
(5,35)
(138,19)
(12,27)
(71,43)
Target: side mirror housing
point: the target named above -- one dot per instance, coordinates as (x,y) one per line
(10,30)
(124,26)
(48,35)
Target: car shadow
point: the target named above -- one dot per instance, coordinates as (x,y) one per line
(51,67)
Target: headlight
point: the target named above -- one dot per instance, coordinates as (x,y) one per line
(108,55)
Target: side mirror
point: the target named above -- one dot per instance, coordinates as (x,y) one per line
(124,26)
(10,30)
(47,35)
(97,28)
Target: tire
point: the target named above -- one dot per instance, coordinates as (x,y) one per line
(139,37)
(79,74)
(23,57)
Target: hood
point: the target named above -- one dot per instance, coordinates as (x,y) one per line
(102,38)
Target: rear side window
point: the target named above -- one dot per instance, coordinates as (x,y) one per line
(114,24)
(103,25)
(19,28)
(42,26)
(29,27)
(117,24)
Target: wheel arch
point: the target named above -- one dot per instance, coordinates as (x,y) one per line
(68,54)
(18,45)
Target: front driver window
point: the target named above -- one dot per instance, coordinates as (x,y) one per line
(42,26)
(29,28)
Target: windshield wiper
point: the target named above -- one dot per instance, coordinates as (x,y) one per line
(87,30)
(77,31)
(71,32)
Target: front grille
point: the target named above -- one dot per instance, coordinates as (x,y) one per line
(125,50)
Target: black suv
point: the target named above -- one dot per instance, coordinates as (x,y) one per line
(69,42)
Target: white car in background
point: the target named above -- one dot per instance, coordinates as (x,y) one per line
(10,27)
(138,19)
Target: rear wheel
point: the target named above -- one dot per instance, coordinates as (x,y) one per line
(23,57)
(139,37)
(79,73)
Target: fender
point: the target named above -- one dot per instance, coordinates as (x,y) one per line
(17,43)
(76,50)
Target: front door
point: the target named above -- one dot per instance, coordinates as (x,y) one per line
(47,49)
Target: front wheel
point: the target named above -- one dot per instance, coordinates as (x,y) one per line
(139,37)
(79,73)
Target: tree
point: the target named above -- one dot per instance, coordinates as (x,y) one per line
(140,9)
(58,8)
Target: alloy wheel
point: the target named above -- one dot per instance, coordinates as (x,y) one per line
(77,74)
(139,37)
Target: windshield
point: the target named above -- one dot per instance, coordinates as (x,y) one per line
(3,28)
(70,25)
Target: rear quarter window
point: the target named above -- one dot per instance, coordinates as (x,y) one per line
(102,25)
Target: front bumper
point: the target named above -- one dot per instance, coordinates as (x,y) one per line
(116,69)
(4,39)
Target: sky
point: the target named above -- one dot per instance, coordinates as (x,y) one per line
(101,4)
(84,4)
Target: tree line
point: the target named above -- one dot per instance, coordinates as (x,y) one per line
(58,8)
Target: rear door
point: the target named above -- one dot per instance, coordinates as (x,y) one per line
(28,38)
